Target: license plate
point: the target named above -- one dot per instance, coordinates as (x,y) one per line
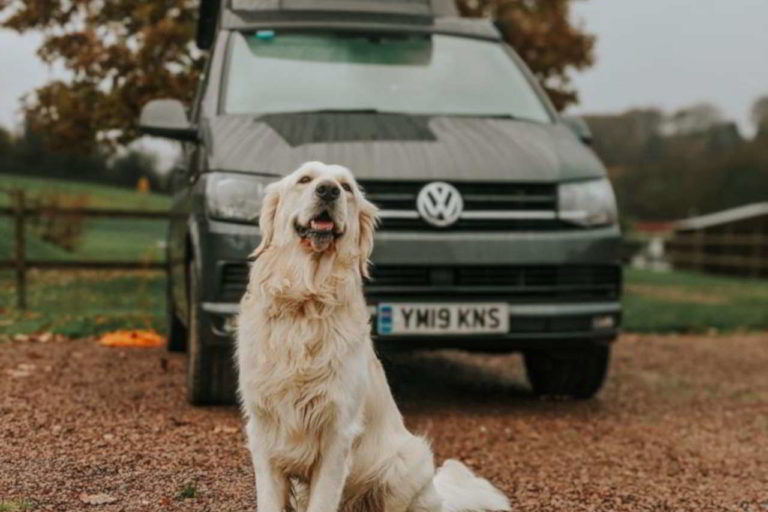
(425,319)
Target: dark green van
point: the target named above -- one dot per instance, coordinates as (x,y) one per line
(499,228)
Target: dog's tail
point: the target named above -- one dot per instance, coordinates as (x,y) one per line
(461,491)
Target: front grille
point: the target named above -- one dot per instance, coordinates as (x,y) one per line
(505,282)
(233,281)
(533,277)
(488,206)
(475,225)
(569,282)
(397,275)
(541,324)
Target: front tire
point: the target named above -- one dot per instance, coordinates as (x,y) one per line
(210,369)
(577,373)
(177,332)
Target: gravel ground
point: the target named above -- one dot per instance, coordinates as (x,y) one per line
(681,425)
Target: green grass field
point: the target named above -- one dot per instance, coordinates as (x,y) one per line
(85,303)
(690,302)
(99,196)
(103,238)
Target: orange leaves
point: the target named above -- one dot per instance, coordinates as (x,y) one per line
(143,339)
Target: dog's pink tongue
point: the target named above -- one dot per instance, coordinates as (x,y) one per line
(321,225)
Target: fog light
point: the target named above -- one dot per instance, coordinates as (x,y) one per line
(224,325)
(230,324)
(603,322)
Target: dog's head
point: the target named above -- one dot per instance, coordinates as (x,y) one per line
(318,209)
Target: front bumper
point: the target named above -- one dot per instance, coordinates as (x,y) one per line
(540,317)
(532,326)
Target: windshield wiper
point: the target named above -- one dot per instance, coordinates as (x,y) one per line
(394,112)
(482,116)
(340,111)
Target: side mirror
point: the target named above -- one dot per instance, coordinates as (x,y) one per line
(207,16)
(580,128)
(167,118)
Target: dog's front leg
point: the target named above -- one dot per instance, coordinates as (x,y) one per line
(330,475)
(271,487)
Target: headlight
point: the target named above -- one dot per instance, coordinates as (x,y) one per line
(588,203)
(235,196)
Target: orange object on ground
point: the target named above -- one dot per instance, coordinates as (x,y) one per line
(133,339)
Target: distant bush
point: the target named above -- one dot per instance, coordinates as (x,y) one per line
(65,231)
(28,155)
(671,166)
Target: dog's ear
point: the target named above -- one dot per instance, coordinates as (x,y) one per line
(369,219)
(267,218)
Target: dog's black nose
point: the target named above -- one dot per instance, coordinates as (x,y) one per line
(327,191)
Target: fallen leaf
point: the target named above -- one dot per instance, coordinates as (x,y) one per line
(17,374)
(21,371)
(97,499)
(180,422)
(133,339)
(224,429)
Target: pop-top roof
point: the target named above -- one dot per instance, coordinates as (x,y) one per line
(421,8)
(437,16)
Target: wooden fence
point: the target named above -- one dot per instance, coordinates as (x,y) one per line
(21,212)
(743,254)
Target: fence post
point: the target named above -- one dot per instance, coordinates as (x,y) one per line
(757,261)
(21,264)
(698,255)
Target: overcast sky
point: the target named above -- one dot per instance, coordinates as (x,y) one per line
(666,53)
(672,53)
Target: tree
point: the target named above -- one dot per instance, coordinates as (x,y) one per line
(760,114)
(626,139)
(123,53)
(669,166)
(6,142)
(695,119)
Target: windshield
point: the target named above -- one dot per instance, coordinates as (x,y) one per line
(274,72)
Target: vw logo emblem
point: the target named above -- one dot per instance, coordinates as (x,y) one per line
(440,204)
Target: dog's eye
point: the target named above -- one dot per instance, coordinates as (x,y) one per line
(305,179)
(346,187)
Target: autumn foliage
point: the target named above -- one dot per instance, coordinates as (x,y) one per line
(123,53)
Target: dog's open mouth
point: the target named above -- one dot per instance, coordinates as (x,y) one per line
(320,231)
(322,224)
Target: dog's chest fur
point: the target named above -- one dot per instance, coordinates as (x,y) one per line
(292,372)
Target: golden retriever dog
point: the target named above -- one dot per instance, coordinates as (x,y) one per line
(323,429)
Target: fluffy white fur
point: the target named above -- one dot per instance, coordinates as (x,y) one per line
(323,429)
